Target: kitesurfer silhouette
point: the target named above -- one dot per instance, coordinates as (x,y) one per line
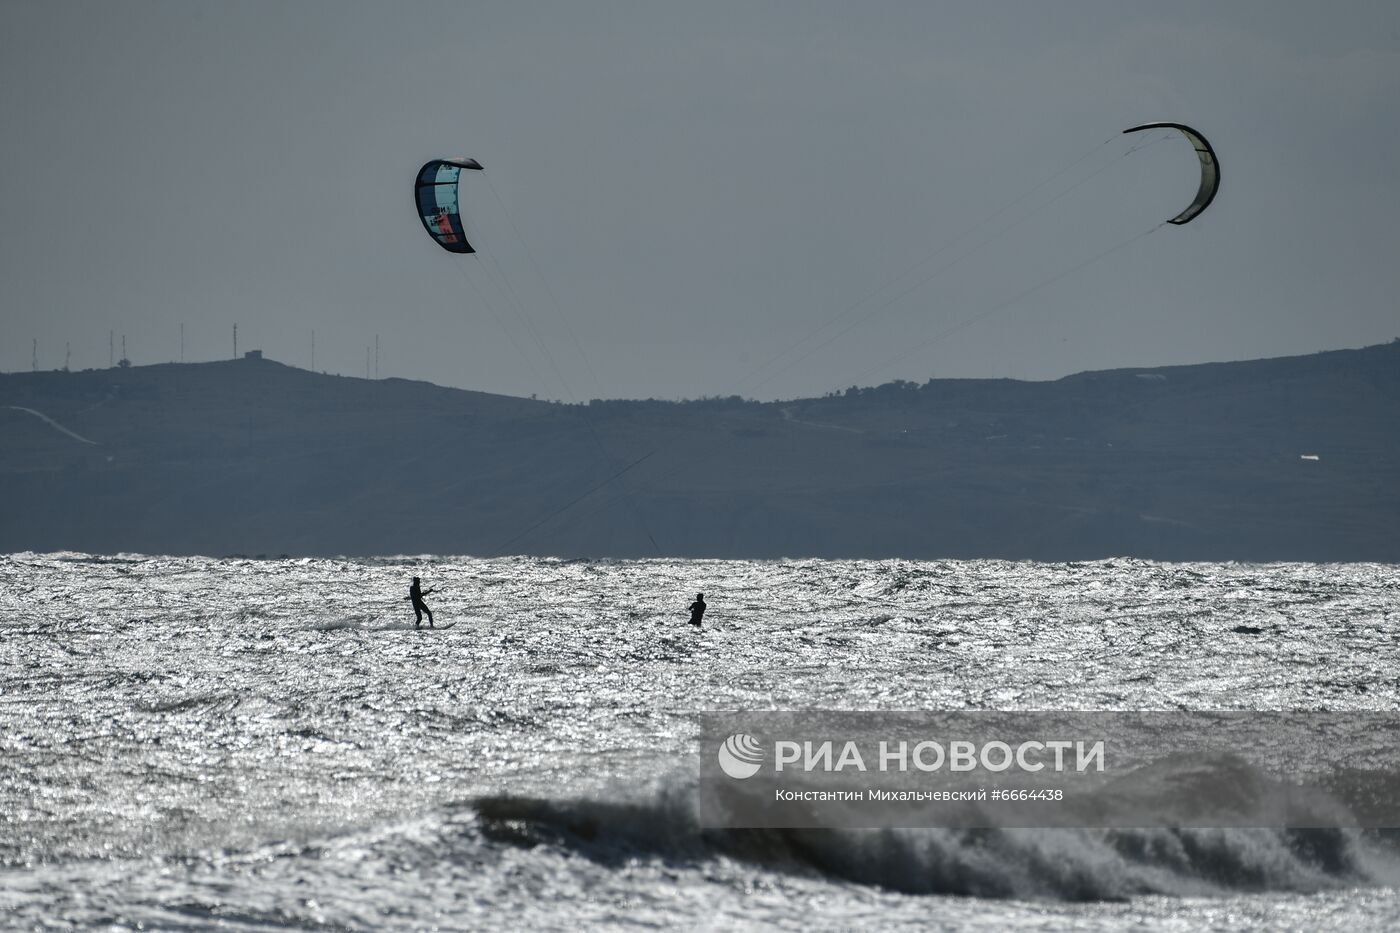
(697,609)
(416,594)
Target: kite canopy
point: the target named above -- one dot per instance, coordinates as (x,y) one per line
(435,193)
(1210,168)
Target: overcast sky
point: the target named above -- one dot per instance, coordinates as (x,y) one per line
(679,196)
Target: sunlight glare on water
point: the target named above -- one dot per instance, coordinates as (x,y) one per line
(270,743)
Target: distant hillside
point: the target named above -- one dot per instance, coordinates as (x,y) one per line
(1284,459)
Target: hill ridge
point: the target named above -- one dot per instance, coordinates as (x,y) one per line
(1200,461)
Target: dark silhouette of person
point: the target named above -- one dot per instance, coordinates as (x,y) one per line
(416,594)
(697,609)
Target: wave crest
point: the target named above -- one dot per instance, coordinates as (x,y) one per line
(1064,864)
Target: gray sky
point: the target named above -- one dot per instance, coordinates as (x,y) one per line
(677,193)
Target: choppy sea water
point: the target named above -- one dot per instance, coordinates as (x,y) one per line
(196,743)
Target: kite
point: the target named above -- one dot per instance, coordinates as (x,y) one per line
(435,193)
(1210,168)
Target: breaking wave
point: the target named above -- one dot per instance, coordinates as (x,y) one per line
(1060,864)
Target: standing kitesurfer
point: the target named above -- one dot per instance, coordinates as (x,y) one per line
(697,609)
(415,595)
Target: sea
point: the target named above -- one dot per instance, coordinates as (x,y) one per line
(262,744)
